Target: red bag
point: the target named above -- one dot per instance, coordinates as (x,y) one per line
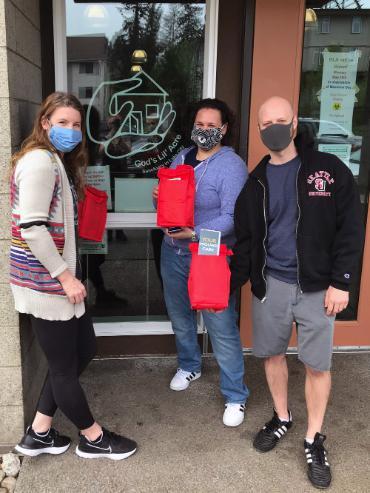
(176,194)
(209,279)
(92,214)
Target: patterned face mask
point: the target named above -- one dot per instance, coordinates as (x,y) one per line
(206,138)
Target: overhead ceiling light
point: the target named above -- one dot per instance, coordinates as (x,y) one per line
(139,57)
(310,16)
(135,69)
(96,12)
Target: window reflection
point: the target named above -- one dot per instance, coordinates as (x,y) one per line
(335,92)
(123,279)
(136,68)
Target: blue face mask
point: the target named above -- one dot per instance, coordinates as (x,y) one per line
(64,139)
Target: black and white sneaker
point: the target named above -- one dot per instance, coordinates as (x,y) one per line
(233,414)
(182,379)
(271,433)
(108,445)
(33,444)
(318,465)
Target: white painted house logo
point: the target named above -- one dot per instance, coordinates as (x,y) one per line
(143,115)
(319,182)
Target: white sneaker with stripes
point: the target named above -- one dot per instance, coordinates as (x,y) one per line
(182,379)
(233,414)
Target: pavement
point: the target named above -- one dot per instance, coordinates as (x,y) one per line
(183,445)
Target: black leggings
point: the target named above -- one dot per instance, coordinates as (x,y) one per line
(69,346)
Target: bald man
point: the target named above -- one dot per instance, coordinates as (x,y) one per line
(299,239)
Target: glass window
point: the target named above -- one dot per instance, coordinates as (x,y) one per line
(317,58)
(123,276)
(334,106)
(356,25)
(85,92)
(86,68)
(325,25)
(136,66)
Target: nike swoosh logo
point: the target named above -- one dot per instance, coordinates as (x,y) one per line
(109,449)
(51,444)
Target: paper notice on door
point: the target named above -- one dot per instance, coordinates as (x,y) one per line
(336,112)
(87,247)
(338,92)
(343,151)
(99,177)
(340,70)
(209,242)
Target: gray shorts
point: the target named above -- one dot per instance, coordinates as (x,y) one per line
(273,320)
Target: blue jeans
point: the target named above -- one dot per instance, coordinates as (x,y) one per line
(222,327)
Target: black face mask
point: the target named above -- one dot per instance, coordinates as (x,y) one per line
(277,136)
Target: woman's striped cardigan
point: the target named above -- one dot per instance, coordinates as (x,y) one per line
(41,200)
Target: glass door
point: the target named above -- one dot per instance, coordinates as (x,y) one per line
(332,84)
(334,111)
(136,67)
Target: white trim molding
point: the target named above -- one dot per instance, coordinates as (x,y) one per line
(143,328)
(210,49)
(336,349)
(132,220)
(60,45)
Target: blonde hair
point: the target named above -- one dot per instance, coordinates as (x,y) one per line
(75,161)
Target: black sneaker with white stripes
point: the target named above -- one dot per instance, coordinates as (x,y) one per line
(317,461)
(271,433)
(109,445)
(50,442)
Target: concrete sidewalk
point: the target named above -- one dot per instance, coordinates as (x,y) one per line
(183,445)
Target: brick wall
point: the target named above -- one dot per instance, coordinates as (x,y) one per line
(22,369)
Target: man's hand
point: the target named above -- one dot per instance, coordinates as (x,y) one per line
(336,300)
(184,234)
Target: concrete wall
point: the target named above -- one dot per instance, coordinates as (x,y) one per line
(22,368)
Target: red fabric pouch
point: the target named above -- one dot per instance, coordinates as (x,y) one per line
(176,194)
(209,279)
(92,214)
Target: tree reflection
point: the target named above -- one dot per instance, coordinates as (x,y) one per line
(173,37)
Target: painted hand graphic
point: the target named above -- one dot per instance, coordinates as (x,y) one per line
(138,113)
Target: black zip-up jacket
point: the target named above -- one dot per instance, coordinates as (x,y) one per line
(329,229)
